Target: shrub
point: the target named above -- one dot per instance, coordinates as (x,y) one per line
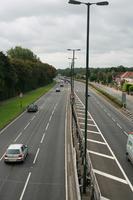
(126,86)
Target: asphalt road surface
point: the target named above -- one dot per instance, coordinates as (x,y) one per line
(106,144)
(42,175)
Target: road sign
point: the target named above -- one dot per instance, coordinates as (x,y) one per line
(21,95)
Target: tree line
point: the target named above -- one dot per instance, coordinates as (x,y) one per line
(103,75)
(21,71)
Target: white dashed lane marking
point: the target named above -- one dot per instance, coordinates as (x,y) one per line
(18,136)
(36,156)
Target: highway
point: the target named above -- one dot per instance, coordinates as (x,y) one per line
(42,175)
(106,144)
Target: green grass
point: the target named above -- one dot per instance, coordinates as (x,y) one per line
(11,108)
(110,97)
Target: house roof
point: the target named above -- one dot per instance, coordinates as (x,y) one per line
(127,75)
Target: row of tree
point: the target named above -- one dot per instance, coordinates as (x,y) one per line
(22,71)
(103,75)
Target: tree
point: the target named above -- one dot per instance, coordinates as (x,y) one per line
(8,77)
(22,53)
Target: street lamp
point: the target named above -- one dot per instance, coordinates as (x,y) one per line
(71,73)
(88,4)
(72,69)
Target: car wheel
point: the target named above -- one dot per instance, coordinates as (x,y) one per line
(127,157)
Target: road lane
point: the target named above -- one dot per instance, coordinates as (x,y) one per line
(15,178)
(47,179)
(114,131)
(106,167)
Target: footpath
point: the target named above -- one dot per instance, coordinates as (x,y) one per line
(118,94)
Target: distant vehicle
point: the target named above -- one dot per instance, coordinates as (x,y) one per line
(61,85)
(129,147)
(32,108)
(57,89)
(16,153)
(89,94)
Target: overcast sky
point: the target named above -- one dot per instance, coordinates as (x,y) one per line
(50,27)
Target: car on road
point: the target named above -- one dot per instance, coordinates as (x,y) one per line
(16,153)
(57,90)
(61,84)
(32,108)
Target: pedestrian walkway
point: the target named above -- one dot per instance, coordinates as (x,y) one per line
(118,94)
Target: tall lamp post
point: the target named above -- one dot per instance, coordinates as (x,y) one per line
(71,64)
(102,3)
(72,68)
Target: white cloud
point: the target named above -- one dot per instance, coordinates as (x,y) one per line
(48,28)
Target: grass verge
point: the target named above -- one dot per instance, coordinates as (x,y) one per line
(113,99)
(11,108)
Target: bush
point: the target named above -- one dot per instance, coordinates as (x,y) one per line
(131,89)
(126,86)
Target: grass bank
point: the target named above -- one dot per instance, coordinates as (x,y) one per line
(11,108)
(113,99)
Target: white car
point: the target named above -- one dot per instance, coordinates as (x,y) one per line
(57,89)
(16,153)
(129,147)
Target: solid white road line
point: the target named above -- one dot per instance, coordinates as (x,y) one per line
(18,136)
(26,183)
(36,155)
(95,141)
(101,154)
(66,176)
(110,176)
(81,117)
(89,131)
(87,124)
(81,114)
(81,111)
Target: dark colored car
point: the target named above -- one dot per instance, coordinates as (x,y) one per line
(32,108)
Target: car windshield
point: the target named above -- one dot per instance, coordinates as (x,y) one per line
(32,106)
(13,151)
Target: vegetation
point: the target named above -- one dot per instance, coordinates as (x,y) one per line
(110,97)
(13,107)
(22,71)
(21,53)
(102,75)
(127,87)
